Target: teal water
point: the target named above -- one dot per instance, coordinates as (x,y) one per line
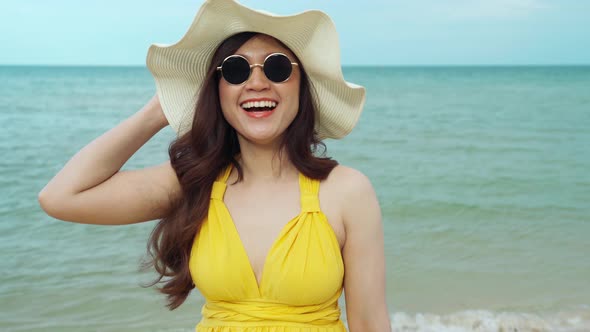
(481,172)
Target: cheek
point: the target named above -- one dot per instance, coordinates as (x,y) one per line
(293,98)
(223,94)
(225,100)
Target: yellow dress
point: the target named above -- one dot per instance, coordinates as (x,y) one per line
(301,280)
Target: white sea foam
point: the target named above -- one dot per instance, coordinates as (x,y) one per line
(487,321)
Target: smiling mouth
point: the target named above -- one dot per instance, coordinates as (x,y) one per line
(259,106)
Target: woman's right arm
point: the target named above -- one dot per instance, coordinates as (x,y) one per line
(91,189)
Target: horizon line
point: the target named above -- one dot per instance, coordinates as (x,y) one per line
(343,66)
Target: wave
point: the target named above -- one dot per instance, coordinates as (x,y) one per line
(486,321)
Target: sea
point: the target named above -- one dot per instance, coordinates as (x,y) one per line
(482,174)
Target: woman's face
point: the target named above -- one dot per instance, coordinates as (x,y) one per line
(261,127)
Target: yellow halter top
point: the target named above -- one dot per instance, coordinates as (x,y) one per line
(301,280)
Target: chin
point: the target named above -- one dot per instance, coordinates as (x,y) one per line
(261,138)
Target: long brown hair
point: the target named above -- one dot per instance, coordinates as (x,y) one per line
(201,154)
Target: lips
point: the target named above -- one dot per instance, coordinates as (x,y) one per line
(259,104)
(259,107)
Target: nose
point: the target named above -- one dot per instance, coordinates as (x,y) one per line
(258,80)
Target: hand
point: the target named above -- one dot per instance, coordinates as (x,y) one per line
(155,109)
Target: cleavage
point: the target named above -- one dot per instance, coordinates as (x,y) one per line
(259,218)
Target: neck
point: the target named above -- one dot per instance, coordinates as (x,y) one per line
(264,162)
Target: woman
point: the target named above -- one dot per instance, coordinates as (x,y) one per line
(242,167)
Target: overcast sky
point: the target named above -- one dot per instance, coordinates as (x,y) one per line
(372,32)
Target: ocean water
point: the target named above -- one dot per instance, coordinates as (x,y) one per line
(483,175)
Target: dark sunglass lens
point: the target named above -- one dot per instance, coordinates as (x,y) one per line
(235,70)
(277,68)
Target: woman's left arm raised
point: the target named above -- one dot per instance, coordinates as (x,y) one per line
(364,256)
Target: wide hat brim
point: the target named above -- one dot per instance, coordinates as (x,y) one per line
(179,69)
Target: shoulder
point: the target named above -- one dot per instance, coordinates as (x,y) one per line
(348,182)
(352,192)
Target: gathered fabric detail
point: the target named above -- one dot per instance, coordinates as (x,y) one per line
(266,312)
(338,327)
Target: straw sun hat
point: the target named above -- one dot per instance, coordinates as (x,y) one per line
(179,69)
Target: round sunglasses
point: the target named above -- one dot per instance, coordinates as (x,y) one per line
(236,69)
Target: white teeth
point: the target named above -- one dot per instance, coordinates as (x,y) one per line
(264,103)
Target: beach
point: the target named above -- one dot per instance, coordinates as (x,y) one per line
(481,173)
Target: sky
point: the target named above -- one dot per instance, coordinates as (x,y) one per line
(371,32)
